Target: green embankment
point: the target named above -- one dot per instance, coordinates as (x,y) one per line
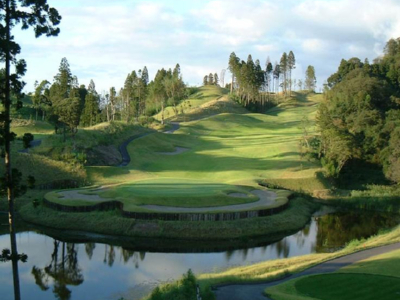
(374,278)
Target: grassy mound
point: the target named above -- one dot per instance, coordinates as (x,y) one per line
(194,103)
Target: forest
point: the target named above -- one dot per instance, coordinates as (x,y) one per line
(360,117)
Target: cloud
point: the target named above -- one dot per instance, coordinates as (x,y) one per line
(105,40)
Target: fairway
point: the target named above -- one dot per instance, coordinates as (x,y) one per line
(224,153)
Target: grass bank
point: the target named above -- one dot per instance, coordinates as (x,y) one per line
(373,278)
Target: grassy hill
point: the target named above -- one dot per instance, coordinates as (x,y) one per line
(229,149)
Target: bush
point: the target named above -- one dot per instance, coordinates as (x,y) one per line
(184,289)
(27,139)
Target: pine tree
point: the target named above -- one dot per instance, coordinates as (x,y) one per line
(211,79)
(311,80)
(291,66)
(277,74)
(43,19)
(91,109)
(269,70)
(234,67)
(216,79)
(205,80)
(284,71)
(113,102)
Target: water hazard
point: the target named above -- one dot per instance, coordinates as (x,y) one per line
(60,269)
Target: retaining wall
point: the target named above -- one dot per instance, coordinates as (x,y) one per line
(193,217)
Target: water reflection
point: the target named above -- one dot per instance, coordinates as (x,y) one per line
(336,230)
(63,269)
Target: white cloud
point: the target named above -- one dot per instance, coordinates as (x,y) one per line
(104,40)
(313,45)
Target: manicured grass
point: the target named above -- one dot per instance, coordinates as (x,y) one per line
(235,149)
(225,151)
(188,106)
(348,287)
(374,278)
(177,192)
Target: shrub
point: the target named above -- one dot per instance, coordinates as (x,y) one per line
(27,139)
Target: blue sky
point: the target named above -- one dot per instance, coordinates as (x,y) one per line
(105,40)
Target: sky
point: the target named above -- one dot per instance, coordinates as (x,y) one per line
(105,40)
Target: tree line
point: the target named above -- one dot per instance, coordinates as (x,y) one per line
(211,79)
(359,119)
(67,105)
(254,85)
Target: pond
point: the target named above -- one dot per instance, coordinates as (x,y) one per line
(69,268)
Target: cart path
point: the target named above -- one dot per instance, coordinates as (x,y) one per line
(255,291)
(266,198)
(126,159)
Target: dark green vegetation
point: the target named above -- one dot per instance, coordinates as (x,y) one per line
(374,278)
(185,289)
(359,119)
(257,89)
(67,105)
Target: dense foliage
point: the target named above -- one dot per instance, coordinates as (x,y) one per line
(253,86)
(360,117)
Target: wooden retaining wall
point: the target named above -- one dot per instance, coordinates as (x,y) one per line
(60,184)
(193,217)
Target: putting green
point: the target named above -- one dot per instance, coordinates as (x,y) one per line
(349,287)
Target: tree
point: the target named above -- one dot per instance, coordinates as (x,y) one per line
(268,72)
(216,79)
(205,80)
(41,98)
(91,109)
(39,15)
(310,81)
(211,79)
(291,66)
(234,67)
(284,67)
(277,74)
(113,102)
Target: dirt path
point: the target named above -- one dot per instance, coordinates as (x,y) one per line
(266,198)
(254,291)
